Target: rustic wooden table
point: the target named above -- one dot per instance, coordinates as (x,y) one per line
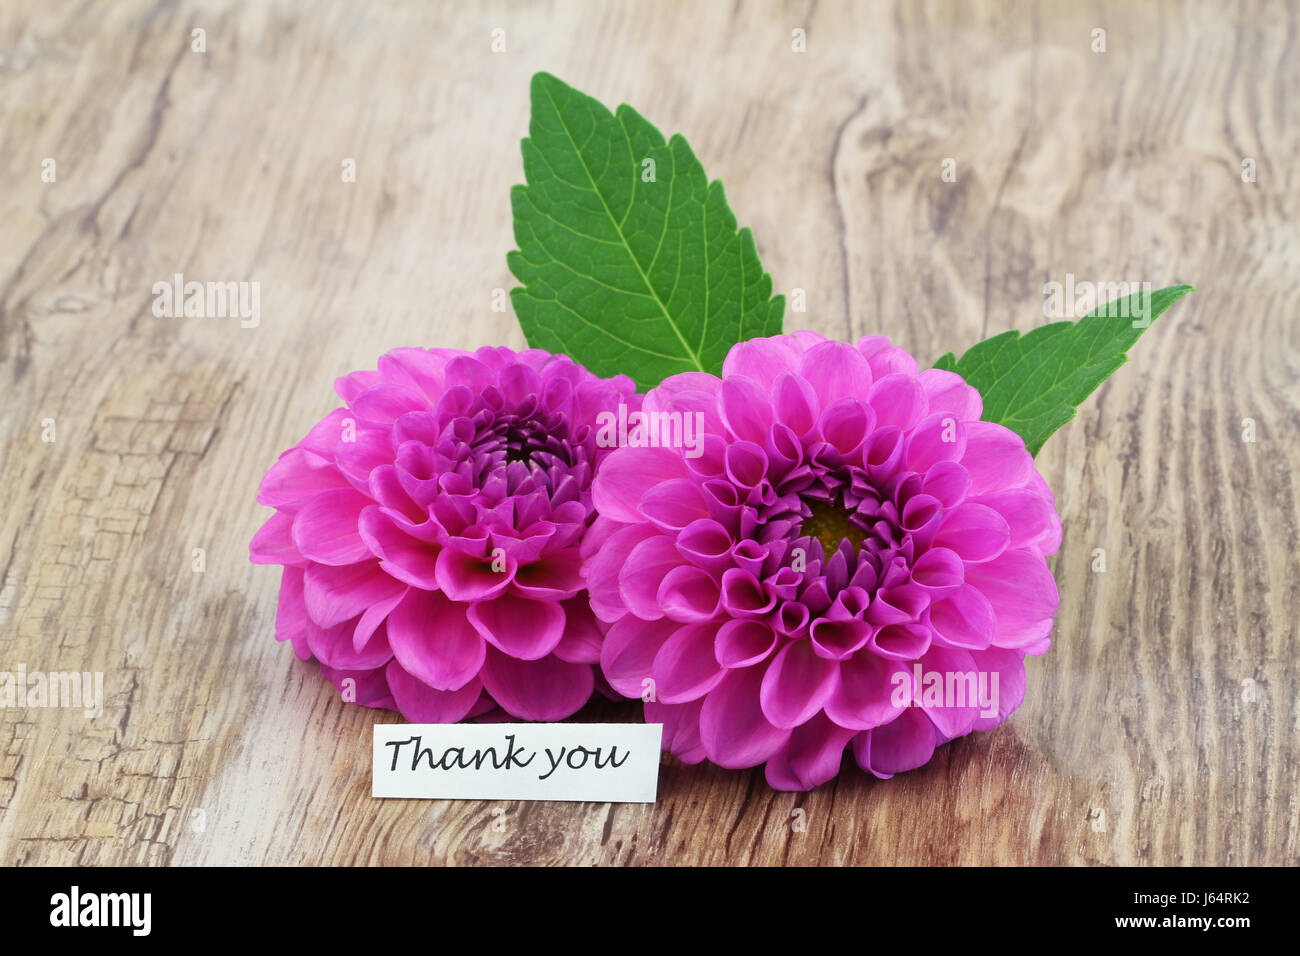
(1162,726)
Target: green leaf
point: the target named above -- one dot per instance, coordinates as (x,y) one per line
(643,278)
(1032,383)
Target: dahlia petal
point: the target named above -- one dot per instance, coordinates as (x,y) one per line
(745,463)
(600,531)
(628,653)
(886,358)
(334,594)
(688,594)
(975,532)
(761,359)
(1051,541)
(297,477)
(273,543)
(422,704)
(872,691)
(1040,646)
(327,433)
(1037,639)
(948,482)
(370,620)
(547,689)
(464,577)
(627,474)
(518,626)
(921,518)
(519,382)
(681,736)
(672,505)
(733,729)
(846,424)
(723,501)
(784,452)
(353,384)
(897,399)
(811,757)
(1032,518)
(743,594)
(948,392)
(869,345)
(838,640)
(371,449)
(326,529)
(796,403)
(402,556)
(883,452)
(367,688)
(420,370)
(582,635)
(706,544)
(897,605)
(434,640)
(940,437)
(497,357)
(1023,595)
(802,339)
(685,667)
(743,643)
(471,372)
(815,598)
(334,648)
(1007,668)
(905,743)
(955,707)
(835,369)
(706,460)
(558,394)
(645,569)
(963,619)
(553,577)
(291,612)
(386,488)
(796,685)
(688,393)
(746,409)
(901,642)
(995,457)
(383,404)
(940,571)
(602,569)
(456,401)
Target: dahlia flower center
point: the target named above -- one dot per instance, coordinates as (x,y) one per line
(524,439)
(830,524)
(516,442)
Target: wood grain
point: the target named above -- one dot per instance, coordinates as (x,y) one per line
(1161,728)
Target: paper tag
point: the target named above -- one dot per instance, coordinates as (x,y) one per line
(605,763)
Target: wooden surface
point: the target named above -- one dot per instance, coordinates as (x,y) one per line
(1161,728)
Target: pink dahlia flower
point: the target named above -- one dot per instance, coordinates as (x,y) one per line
(849,557)
(430,534)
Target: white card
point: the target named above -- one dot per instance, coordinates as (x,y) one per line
(604,763)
